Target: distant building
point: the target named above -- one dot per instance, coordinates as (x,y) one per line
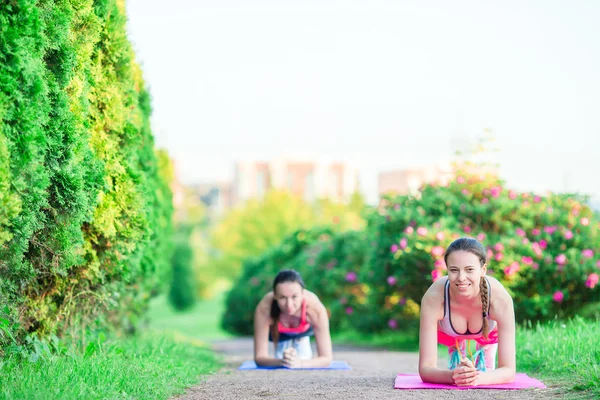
(216,197)
(405,181)
(309,179)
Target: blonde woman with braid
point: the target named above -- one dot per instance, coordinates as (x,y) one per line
(463,306)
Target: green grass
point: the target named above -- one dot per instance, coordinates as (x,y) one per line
(148,366)
(202,322)
(563,353)
(169,355)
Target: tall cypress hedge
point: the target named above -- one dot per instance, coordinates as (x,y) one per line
(85,204)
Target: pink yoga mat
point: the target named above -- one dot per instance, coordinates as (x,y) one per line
(412,381)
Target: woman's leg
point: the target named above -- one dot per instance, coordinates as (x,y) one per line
(489,350)
(456,354)
(303,349)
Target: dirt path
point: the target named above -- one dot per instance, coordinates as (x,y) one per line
(372,377)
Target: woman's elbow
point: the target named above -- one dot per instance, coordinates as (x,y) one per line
(423,374)
(512,372)
(259,360)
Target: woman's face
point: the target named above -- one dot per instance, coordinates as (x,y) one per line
(465,272)
(289,297)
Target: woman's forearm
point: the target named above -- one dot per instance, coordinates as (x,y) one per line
(436,375)
(497,376)
(322,361)
(268,361)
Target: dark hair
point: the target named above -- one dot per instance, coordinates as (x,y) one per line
(474,247)
(285,275)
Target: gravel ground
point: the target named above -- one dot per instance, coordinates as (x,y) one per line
(372,377)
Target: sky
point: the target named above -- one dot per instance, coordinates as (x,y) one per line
(379,84)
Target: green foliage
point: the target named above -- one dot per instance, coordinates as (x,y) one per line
(86,207)
(182,293)
(258,225)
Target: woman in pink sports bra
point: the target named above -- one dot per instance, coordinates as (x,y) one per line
(467,305)
(288,316)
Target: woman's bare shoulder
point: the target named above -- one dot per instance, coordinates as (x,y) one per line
(499,295)
(436,290)
(264,305)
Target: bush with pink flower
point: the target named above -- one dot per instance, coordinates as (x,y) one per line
(545,249)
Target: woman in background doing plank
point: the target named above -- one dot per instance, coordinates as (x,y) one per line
(288,316)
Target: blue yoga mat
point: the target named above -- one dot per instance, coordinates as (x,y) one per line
(246,365)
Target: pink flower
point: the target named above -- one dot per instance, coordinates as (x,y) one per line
(394,248)
(391,280)
(396,206)
(481,237)
(587,253)
(549,229)
(512,195)
(535,231)
(465,192)
(575,212)
(409,230)
(543,244)
(568,235)
(437,251)
(535,265)
(584,221)
(536,249)
(485,200)
(460,179)
(558,296)
(499,256)
(561,259)
(403,243)
(496,190)
(499,247)
(467,229)
(525,203)
(537,199)
(598,263)
(525,240)
(421,231)
(393,324)
(527,260)
(351,276)
(520,232)
(349,310)
(549,210)
(435,275)
(439,236)
(440,264)
(591,281)
(512,269)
